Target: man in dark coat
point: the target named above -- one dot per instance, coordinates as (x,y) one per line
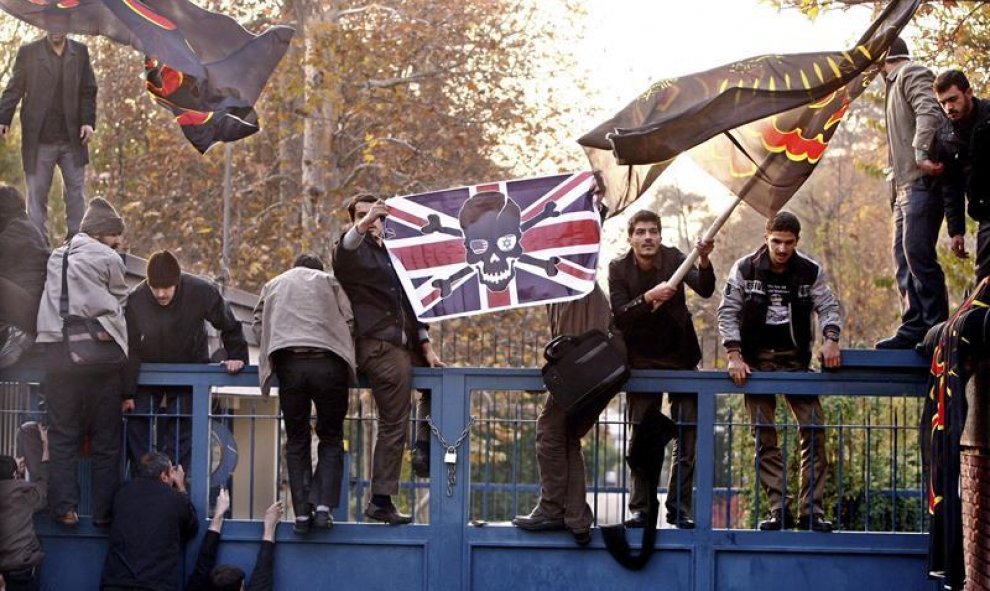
(54,80)
(152,519)
(20,550)
(165,324)
(23,264)
(963,147)
(660,338)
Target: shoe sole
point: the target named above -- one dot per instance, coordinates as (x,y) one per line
(540,526)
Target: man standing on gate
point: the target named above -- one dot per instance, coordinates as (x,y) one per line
(166,317)
(660,338)
(765,323)
(390,341)
(913,117)
(84,400)
(53,80)
(303,323)
(964,148)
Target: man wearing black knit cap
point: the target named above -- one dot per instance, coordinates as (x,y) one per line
(84,400)
(913,118)
(165,316)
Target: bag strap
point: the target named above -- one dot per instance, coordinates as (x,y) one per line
(550,350)
(63,300)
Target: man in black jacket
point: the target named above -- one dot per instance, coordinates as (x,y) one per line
(208,576)
(659,334)
(390,341)
(165,324)
(152,519)
(23,264)
(963,146)
(54,78)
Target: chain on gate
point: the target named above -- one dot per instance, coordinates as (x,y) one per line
(450,451)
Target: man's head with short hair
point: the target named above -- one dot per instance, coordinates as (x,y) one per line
(954,95)
(153,465)
(8,467)
(783,233)
(226,577)
(359,198)
(309,261)
(644,236)
(639,217)
(163,276)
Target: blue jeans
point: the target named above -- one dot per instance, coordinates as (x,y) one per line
(918,214)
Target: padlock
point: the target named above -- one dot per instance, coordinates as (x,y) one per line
(450,457)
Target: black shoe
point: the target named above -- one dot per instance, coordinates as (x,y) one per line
(388,513)
(537,520)
(896,342)
(302,525)
(421,460)
(582,536)
(682,522)
(323,519)
(69,518)
(638,520)
(815,523)
(779,520)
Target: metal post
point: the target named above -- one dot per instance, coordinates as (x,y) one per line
(228,152)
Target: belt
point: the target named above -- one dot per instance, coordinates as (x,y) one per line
(307,352)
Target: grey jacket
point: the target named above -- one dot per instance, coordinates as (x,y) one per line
(96,289)
(19,546)
(302,308)
(913,117)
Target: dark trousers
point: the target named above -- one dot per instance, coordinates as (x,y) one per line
(24,579)
(161,421)
(807,410)
(305,380)
(918,213)
(684,411)
(561,465)
(983,251)
(18,306)
(389,369)
(81,403)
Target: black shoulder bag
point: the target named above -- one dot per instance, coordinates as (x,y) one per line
(87,344)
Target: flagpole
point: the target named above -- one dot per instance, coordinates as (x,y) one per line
(692,257)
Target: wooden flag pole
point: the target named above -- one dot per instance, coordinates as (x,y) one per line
(692,257)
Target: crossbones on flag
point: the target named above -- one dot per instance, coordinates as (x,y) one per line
(202,66)
(495,246)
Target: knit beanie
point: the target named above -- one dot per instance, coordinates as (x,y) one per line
(101,219)
(163,269)
(11,203)
(898,51)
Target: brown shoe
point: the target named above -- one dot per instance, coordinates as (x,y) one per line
(537,520)
(69,518)
(388,513)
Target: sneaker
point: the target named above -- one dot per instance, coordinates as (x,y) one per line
(302,525)
(323,520)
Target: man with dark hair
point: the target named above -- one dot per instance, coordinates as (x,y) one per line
(55,79)
(303,323)
(390,341)
(152,519)
(208,576)
(81,400)
(765,323)
(23,259)
(964,148)
(20,550)
(913,117)
(659,334)
(166,317)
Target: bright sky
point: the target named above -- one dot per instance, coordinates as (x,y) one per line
(631,43)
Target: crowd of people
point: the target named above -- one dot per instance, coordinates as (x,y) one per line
(317,329)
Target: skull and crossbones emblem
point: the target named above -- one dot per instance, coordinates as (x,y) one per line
(492,228)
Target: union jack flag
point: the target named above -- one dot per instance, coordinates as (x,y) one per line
(495,246)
